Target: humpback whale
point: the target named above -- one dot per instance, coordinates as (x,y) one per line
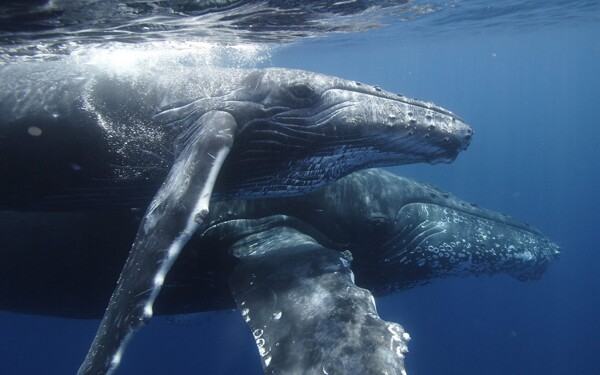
(81,136)
(379,217)
(395,232)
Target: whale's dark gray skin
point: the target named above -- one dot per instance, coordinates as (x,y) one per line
(98,136)
(387,222)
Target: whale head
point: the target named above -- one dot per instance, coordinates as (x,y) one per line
(300,130)
(330,111)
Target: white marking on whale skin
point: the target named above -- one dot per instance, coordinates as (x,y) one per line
(399,339)
(276,315)
(372,300)
(205,194)
(524,255)
(116,359)
(200,210)
(34,131)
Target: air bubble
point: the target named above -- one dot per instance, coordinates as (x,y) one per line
(75,166)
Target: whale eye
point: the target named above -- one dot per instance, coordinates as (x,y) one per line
(302,90)
(377,220)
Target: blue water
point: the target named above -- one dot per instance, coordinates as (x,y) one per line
(531,98)
(531,95)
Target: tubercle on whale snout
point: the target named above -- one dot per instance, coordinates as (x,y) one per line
(453,138)
(413,122)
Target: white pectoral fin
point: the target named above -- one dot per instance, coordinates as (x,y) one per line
(176,212)
(305,312)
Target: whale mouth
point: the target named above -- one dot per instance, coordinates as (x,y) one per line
(397,129)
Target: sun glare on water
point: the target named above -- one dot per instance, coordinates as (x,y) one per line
(129,58)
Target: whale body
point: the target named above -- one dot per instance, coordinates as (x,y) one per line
(76,136)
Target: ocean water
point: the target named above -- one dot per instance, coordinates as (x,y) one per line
(526,78)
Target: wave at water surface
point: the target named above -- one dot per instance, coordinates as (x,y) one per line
(58,27)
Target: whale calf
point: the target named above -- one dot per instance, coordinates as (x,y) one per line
(390,232)
(378,216)
(80,136)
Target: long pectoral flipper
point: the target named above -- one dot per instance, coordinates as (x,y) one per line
(305,312)
(175,213)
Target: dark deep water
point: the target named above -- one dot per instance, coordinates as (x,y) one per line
(531,95)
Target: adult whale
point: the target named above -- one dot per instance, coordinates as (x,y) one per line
(81,135)
(400,233)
